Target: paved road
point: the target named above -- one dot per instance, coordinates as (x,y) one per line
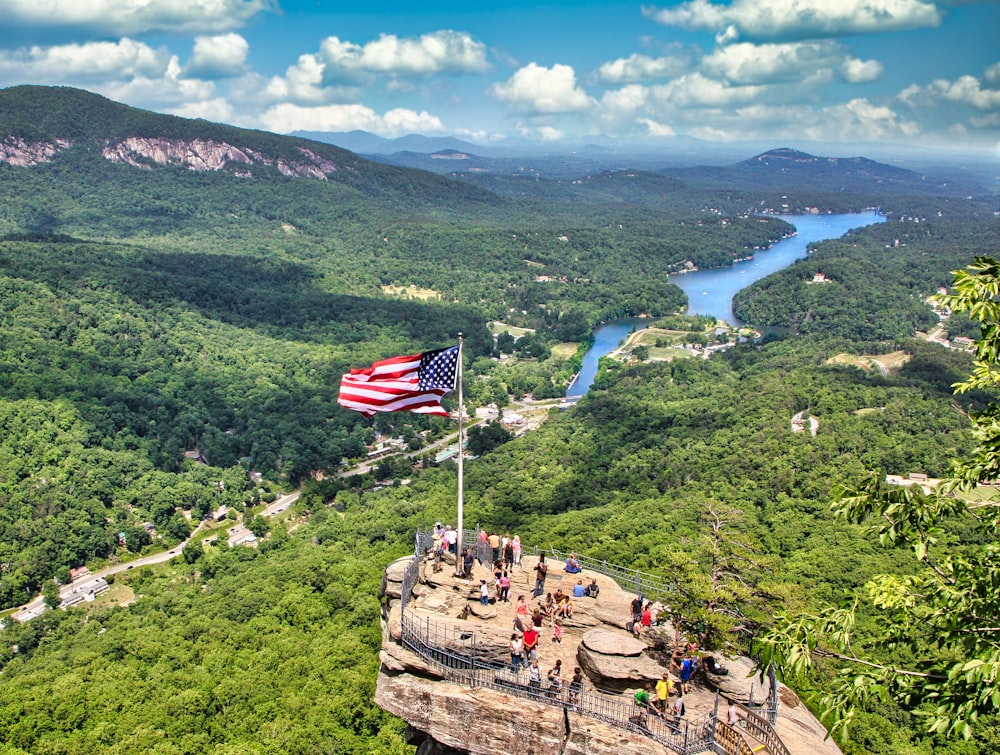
(36,606)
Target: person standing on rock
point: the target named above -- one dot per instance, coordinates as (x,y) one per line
(541,570)
(531,644)
(534,677)
(686,669)
(574,686)
(508,555)
(663,689)
(516,653)
(494,540)
(555,680)
(515,545)
(484,592)
(636,607)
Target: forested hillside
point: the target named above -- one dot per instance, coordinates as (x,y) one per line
(169,327)
(878,277)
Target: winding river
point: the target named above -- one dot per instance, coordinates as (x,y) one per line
(711,292)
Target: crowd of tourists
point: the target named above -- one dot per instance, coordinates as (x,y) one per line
(545,614)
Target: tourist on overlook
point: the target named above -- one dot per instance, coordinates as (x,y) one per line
(515,545)
(508,555)
(516,653)
(574,686)
(664,688)
(530,639)
(555,680)
(537,618)
(548,607)
(484,592)
(646,619)
(495,547)
(534,677)
(541,570)
(636,607)
(685,671)
(732,714)
(593,590)
(468,561)
(482,543)
(504,594)
(497,573)
(564,607)
(557,631)
(521,613)
(679,709)
(579,591)
(572,565)
(451,536)
(642,702)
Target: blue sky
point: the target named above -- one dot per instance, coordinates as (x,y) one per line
(912,72)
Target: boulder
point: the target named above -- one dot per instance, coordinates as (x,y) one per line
(606,642)
(480,611)
(738,683)
(619,668)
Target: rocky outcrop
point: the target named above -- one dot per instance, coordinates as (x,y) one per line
(614,660)
(446,716)
(449,718)
(195,154)
(205,155)
(19,153)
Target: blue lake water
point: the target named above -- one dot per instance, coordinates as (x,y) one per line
(711,292)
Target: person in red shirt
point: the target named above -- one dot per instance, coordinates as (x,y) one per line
(530,644)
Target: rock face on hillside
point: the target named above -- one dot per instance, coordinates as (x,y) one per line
(448,718)
(194,154)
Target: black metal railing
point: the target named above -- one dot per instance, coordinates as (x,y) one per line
(642,583)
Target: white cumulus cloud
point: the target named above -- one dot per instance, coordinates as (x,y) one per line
(776,19)
(857,71)
(83,63)
(135,16)
(697,90)
(538,89)
(433,53)
(636,68)
(218,57)
(745,63)
(965,90)
(287,117)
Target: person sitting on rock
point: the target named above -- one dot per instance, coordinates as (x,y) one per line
(713,666)
(572,565)
(592,590)
(564,607)
(579,591)
(548,607)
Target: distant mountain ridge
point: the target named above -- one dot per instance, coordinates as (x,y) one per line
(40,125)
(789,167)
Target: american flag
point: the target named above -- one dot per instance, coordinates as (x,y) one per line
(402,384)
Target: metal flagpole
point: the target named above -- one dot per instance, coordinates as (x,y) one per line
(459,567)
